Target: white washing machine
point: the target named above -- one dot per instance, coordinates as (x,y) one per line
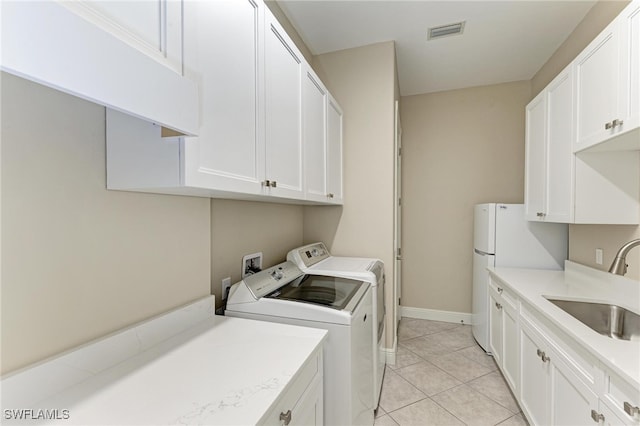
(284,294)
(316,259)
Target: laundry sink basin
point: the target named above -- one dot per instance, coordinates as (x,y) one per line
(608,320)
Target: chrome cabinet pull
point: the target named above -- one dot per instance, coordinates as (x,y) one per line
(266,183)
(631,410)
(542,356)
(330,195)
(499,290)
(499,306)
(286,417)
(541,214)
(274,184)
(597,417)
(613,124)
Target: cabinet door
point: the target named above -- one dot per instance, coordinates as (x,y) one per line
(283,110)
(314,126)
(572,399)
(222,43)
(511,348)
(597,89)
(495,326)
(630,66)
(309,408)
(559,152)
(126,55)
(535,167)
(334,152)
(610,417)
(535,398)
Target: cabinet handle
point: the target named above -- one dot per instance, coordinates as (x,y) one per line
(274,184)
(541,214)
(613,124)
(631,410)
(499,306)
(286,417)
(499,290)
(330,195)
(542,356)
(597,417)
(266,183)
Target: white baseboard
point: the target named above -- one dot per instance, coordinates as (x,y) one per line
(390,353)
(435,315)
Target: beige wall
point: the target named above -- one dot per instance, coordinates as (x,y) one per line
(290,29)
(362,81)
(79,261)
(239,228)
(584,239)
(459,148)
(593,23)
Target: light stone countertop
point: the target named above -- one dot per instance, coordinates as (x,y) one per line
(220,371)
(581,283)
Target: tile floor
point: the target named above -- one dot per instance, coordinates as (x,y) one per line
(442,377)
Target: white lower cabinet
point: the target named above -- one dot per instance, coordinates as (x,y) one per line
(622,399)
(551,394)
(503,320)
(555,380)
(302,402)
(610,417)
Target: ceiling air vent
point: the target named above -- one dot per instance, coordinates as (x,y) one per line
(445,30)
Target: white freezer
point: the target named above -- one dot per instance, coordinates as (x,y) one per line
(503,237)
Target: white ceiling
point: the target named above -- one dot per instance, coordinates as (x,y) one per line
(502,41)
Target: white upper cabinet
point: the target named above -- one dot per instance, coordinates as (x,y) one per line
(124,55)
(583,134)
(322,124)
(549,158)
(535,154)
(607,85)
(334,152)
(229,151)
(314,124)
(250,142)
(283,111)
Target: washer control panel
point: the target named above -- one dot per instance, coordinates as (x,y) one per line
(270,279)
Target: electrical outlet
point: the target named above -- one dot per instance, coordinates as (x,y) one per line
(599,253)
(251,264)
(226,283)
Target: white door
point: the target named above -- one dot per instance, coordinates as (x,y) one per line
(283,111)
(334,152)
(597,77)
(484,228)
(314,126)
(397,276)
(229,151)
(559,151)
(535,165)
(480,298)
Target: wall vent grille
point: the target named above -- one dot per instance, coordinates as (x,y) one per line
(445,30)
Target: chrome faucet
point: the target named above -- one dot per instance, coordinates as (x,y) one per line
(619,265)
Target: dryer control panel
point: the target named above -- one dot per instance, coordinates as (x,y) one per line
(309,255)
(269,280)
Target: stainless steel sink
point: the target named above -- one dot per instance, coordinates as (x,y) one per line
(608,320)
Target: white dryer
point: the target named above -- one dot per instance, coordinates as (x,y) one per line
(284,294)
(316,259)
